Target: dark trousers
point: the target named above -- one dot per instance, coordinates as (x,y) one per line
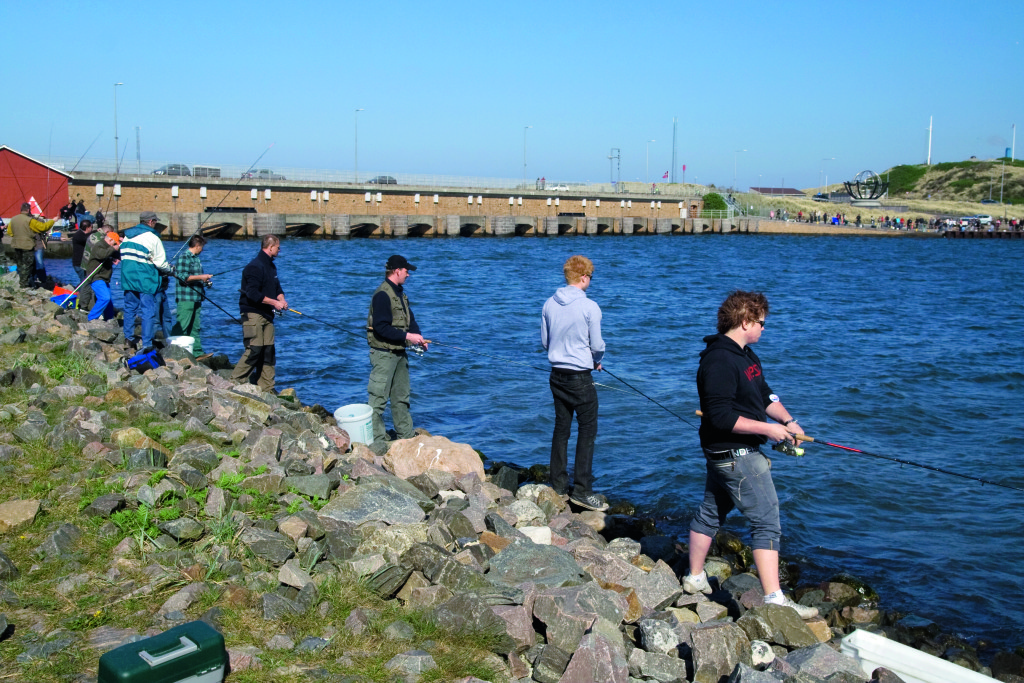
(26,262)
(573,393)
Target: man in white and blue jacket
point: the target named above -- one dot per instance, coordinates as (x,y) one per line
(143,262)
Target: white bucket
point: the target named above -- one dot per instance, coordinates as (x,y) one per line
(913,666)
(186,343)
(357,420)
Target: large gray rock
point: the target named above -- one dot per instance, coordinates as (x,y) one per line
(183,529)
(658,636)
(271,546)
(400,485)
(597,659)
(8,570)
(313,485)
(567,613)
(547,566)
(659,667)
(201,456)
(518,625)
(468,614)
(21,377)
(60,542)
(17,514)
(33,428)
(440,568)
(413,662)
(821,660)
(745,674)
(777,624)
(550,664)
(716,649)
(105,505)
(373,502)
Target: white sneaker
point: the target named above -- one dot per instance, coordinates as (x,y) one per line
(697,584)
(802,611)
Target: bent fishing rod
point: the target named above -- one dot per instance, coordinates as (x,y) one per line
(226,195)
(203,294)
(821,440)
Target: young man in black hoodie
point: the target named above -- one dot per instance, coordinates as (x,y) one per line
(260,296)
(736,402)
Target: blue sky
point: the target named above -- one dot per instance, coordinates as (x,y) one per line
(448,88)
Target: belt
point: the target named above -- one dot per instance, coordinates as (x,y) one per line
(730,454)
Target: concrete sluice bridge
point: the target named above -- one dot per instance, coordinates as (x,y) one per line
(243,225)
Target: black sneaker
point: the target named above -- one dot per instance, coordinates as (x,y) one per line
(590,501)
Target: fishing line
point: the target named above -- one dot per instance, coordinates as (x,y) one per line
(226,195)
(229,270)
(657,403)
(76,165)
(202,293)
(821,440)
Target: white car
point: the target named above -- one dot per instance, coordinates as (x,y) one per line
(558,188)
(984,219)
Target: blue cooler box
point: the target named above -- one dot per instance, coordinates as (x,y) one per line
(190,653)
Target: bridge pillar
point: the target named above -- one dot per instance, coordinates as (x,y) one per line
(187,225)
(502,226)
(663,226)
(551,225)
(268,224)
(340,224)
(452,225)
(399,226)
(591,226)
(627,223)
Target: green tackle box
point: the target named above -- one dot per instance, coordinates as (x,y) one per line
(190,653)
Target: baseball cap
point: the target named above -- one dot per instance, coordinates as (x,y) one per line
(395,262)
(147,216)
(114,237)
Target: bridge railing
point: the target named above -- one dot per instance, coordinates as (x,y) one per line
(135,168)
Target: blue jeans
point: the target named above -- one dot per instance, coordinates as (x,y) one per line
(165,316)
(102,291)
(142,305)
(744,483)
(80,272)
(573,393)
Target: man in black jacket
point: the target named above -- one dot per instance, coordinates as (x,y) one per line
(261,295)
(735,402)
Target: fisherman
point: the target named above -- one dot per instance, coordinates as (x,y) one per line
(261,295)
(78,239)
(189,292)
(735,401)
(390,328)
(100,267)
(143,263)
(571,333)
(24,230)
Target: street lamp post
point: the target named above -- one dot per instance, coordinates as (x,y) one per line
(356,148)
(647,179)
(735,155)
(826,175)
(117,163)
(525,128)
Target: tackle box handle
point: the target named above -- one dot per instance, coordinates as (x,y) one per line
(186,647)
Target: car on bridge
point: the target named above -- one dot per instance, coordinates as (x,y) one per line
(264,174)
(558,188)
(383,180)
(173,169)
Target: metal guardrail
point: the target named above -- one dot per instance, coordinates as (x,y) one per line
(134,169)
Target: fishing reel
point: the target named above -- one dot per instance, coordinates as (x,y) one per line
(208,284)
(416,348)
(788,449)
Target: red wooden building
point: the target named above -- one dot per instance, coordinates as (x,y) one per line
(23,179)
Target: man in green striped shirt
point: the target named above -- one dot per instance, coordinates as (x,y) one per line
(189,295)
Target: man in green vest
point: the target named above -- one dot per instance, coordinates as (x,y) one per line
(390,328)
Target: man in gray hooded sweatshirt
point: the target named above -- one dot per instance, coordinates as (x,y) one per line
(571,333)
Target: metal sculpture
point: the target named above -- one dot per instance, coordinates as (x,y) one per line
(866,186)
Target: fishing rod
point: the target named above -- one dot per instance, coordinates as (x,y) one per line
(226,195)
(821,440)
(229,270)
(657,403)
(203,294)
(84,280)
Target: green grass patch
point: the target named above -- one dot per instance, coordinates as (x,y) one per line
(905,178)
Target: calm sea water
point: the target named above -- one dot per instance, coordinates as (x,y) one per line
(906,347)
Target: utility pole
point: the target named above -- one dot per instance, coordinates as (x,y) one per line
(138,149)
(672,178)
(616,156)
(930,140)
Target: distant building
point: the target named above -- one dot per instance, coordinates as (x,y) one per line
(779,191)
(22,179)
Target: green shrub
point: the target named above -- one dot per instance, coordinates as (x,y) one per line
(714,202)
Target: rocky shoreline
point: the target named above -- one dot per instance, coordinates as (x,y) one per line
(137,502)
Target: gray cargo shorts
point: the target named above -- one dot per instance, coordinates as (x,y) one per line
(744,483)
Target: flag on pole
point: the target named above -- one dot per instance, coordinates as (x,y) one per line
(34,207)
(665,176)
(684,168)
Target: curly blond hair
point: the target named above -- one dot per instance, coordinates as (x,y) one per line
(576,267)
